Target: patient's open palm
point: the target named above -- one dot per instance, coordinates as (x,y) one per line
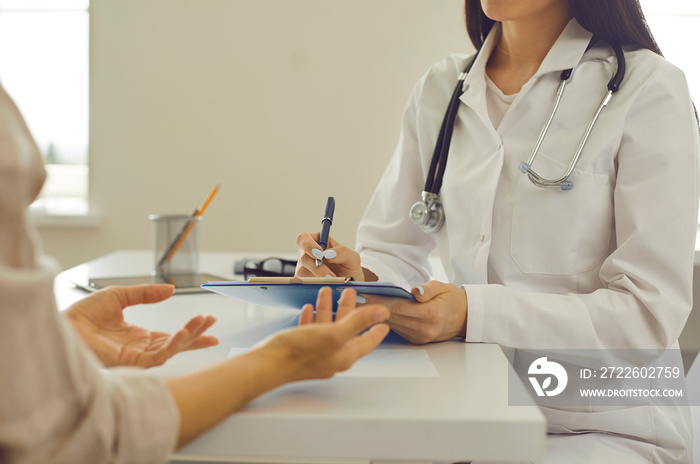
(99,320)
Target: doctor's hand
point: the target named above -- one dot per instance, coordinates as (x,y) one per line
(339,260)
(440,313)
(99,320)
(320,347)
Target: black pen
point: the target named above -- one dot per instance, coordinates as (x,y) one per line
(326,227)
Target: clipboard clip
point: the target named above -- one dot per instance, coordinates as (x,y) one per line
(300,280)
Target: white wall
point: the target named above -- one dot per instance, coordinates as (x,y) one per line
(283,102)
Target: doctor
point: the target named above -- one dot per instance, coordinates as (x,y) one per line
(536,257)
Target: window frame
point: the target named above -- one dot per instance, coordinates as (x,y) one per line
(65,198)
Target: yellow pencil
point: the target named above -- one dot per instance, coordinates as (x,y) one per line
(172,249)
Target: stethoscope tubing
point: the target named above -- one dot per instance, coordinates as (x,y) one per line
(433,183)
(613,86)
(541,181)
(430,213)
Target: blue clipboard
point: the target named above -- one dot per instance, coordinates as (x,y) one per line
(295,292)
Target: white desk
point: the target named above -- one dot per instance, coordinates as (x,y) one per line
(458,414)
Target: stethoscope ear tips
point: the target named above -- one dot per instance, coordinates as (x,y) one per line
(524,167)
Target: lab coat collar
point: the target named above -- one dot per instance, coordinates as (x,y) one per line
(474,86)
(566,53)
(475,79)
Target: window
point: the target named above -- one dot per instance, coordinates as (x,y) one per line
(44,48)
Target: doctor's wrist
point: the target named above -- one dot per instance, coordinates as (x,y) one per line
(368,276)
(463,331)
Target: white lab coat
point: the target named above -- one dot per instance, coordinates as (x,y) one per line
(607,264)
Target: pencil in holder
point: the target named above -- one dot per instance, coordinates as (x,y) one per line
(175,242)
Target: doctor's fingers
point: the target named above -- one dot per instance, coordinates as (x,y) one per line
(342,256)
(426,292)
(413,329)
(429,317)
(306,267)
(308,245)
(399,306)
(307,241)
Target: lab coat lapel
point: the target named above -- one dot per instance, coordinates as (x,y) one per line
(474,85)
(567,51)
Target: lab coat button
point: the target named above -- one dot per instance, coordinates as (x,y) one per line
(482,237)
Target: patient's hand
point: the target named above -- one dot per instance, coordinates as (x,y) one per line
(99,320)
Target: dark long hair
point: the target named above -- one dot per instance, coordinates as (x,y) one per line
(620,21)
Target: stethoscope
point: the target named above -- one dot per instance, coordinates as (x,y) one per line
(429,213)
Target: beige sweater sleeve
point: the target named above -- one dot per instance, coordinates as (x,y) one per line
(56,404)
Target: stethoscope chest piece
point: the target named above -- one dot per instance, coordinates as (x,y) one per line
(428,213)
